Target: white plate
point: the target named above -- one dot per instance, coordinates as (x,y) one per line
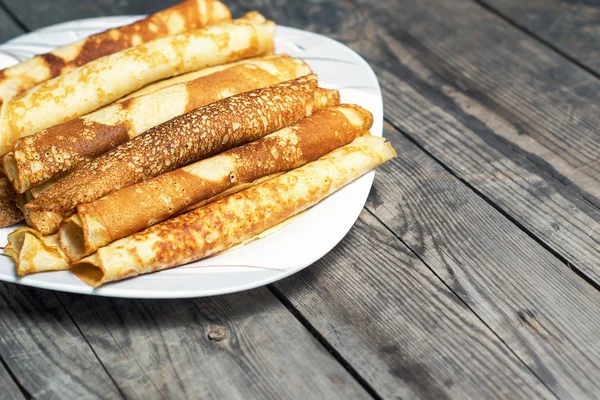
(302,242)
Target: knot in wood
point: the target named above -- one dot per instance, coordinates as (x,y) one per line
(217,333)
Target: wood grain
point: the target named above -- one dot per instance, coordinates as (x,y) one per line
(45,350)
(512,118)
(36,14)
(10,390)
(509,116)
(547,316)
(400,327)
(8,27)
(244,346)
(572,26)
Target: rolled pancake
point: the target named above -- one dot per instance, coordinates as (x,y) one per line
(224,223)
(57,150)
(109,78)
(10,213)
(33,252)
(182,140)
(182,17)
(105,220)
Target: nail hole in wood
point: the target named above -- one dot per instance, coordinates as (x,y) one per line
(217,333)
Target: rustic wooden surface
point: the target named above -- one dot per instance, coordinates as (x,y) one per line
(575,34)
(472,273)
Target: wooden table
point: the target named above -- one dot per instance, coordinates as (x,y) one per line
(473,271)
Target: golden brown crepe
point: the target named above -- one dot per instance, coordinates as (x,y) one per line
(182,17)
(55,151)
(200,133)
(33,252)
(105,220)
(10,213)
(224,223)
(109,78)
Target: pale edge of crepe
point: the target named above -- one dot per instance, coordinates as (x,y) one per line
(33,252)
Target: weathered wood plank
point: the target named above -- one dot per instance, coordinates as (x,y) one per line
(245,345)
(44,349)
(506,114)
(10,390)
(8,27)
(36,14)
(572,26)
(400,327)
(546,315)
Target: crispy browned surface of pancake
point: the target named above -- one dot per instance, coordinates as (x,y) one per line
(185,139)
(102,81)
(105,220)
(10,214)
(57,150)
(229,221)
(182,17)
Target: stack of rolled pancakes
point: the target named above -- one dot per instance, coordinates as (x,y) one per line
(166,141)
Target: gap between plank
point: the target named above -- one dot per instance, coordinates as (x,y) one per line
(99,318)
(90,346)
(535,36)
(24,391)
(324,342)
(14,17)
(498,208)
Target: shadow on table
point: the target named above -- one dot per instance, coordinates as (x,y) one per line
(123,321)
